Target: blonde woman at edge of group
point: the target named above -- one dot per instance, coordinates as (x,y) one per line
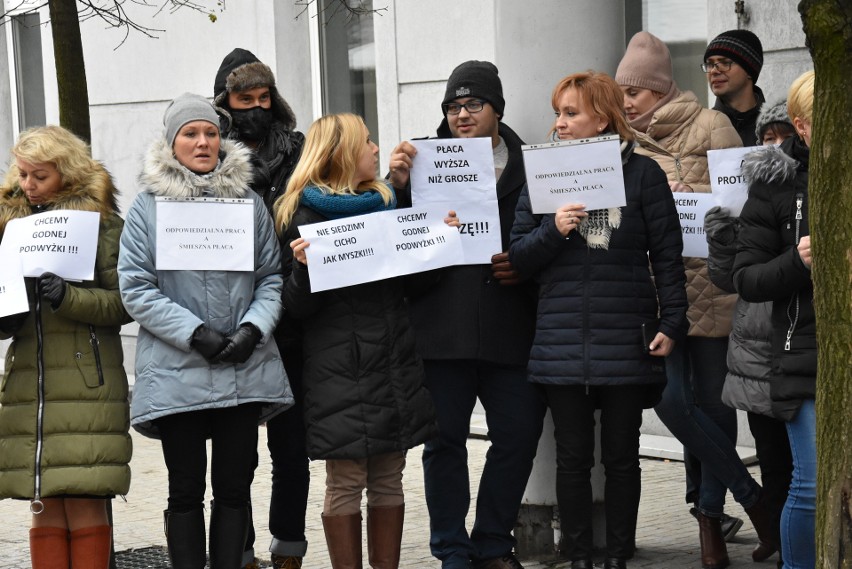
(64,417)
(362,415)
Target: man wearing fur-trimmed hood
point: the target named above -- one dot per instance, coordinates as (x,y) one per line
(252,111)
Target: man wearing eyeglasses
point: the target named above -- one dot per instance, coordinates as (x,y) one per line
(474,326)
(732,62)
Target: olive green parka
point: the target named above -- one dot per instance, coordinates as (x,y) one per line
(70,359)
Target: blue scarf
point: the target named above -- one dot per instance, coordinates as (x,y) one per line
(336,206)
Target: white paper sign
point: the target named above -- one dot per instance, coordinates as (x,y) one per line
(458,174)
(584,171)
(205,234)
(691,208)
(727,184)
(13,291)
(377,246)
(60,241)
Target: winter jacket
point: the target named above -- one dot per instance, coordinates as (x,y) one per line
(491,322)
(743,121)
(171,376)
(71,360)
(362,379)
(768,266)
(747,384)
(593,301)
(678,138)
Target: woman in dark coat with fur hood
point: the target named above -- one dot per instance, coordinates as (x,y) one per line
(773,263)
(64,441)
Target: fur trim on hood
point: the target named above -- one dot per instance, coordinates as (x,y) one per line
(163,175)
(768,165)
(98,194)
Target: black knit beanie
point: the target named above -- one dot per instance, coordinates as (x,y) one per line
(476,79)
(741,46)
(242,70)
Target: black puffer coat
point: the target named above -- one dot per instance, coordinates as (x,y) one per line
(491,322)
(768,266)
(363,381)
(593,301)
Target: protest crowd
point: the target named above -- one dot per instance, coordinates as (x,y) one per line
(358,316)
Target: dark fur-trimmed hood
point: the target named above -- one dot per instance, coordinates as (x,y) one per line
(163,175)
(768,165)
(98,194)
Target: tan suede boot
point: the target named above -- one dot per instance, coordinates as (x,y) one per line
(49,548)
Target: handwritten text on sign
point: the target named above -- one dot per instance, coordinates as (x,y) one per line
(458,174)
(63,242)
(584,171)
(205,234)
(726,182)
(691,209)
(13,291)
(377,246)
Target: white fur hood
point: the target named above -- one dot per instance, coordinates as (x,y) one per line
(163,175)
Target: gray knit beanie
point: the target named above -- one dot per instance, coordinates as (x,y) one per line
(774,113)
(647,64)
(185,109)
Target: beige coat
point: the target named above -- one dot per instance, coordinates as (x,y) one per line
(678,138)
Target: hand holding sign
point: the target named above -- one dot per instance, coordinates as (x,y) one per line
(568,217)
(401,160)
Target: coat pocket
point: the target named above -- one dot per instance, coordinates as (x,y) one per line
(87,357)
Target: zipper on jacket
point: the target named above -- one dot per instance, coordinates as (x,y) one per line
(794,300)
(585,331)
(93,339)
(677,168)
(36,506)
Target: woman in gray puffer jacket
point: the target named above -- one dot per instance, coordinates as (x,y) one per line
(205,368)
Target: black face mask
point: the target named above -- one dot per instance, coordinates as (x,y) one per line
(252,124)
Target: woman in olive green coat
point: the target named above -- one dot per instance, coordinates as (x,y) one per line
(64,419)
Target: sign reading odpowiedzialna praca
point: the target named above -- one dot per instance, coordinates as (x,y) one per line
(205,234)
(586,171)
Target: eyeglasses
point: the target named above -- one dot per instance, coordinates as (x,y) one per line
(472,106)
(721,65)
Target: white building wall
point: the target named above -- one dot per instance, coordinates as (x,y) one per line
(7,135)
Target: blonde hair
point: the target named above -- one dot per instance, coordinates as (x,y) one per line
(800,97)
(600,92)
(58,146)
(329,161)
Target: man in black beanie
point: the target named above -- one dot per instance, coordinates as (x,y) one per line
(253,112)
(474,326)
(733,61)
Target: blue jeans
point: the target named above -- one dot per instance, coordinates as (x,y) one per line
(514,410)
(693,411)
(798,542)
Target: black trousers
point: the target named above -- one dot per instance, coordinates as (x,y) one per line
(233,433)
(573,409)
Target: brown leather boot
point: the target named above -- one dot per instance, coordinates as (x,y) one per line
(714,553)
(761,520)
(384,535)
(343,537)
(49,548)
(90,547)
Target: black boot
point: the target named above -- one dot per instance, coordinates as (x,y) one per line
(185,538)
(228,529)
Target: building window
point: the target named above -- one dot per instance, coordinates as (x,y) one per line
(348,62)
(28,71)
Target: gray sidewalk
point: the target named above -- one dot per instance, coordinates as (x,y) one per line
(667,535)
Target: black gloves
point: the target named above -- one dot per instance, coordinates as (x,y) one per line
(240,344)
(721,228)
(12,323)
(503,270)
(52,287)
(208,342)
